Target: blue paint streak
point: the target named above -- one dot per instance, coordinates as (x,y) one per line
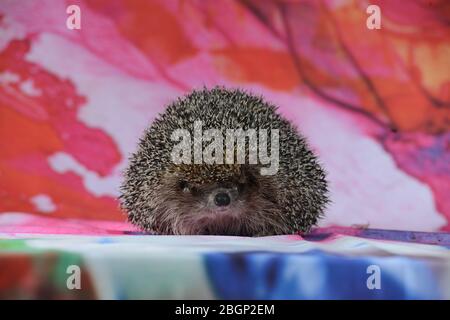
(317,275)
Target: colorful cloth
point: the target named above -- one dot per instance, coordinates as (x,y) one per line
(121,263)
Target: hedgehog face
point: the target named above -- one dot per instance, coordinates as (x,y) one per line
(237,202)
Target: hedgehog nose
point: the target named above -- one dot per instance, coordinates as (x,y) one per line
(222,199)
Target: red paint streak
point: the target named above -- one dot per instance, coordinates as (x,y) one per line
(32,128)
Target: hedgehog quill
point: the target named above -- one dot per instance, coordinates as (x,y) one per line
(223,162)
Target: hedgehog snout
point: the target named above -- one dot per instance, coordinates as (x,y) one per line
(221,198)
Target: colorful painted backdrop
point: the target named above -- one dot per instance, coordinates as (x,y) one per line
(375,104)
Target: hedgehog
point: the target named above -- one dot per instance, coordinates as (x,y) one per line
(163,195)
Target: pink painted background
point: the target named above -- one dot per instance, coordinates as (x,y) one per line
(375,104)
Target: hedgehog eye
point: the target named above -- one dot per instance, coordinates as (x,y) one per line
(183,185)
(195,191)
